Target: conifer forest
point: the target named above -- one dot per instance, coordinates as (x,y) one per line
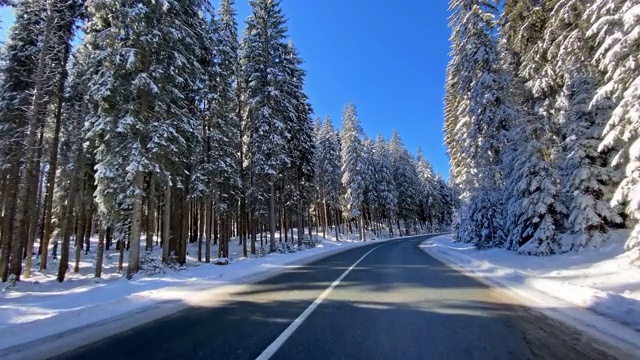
(541,123)
(157,124)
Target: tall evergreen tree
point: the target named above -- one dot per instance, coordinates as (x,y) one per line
(352,155)
(488,111)
(386,193)
(586,176)
(21,61)
(328,169)
(132,95)
(614,26)
(530,160)
(405,179)
(268,111)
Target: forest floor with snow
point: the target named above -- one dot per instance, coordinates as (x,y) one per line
(604,281)
(40,306)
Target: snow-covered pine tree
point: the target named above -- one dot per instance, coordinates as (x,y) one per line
(63,32)
(328,171)
(267,110)
(386,194)
(369,180)
(406,181)
(426,205)
(223,123)
(72,163)
(352,153)
(446,198)
(532,189)
(16,96)
(300,147)
(615,27)
(59,17)
(488,111)
(586,177)
(134,96)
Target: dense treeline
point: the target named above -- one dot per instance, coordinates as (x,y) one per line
(162,124)
(541,122)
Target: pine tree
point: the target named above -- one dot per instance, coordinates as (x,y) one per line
(300,147)
(614,27)
(223,125)
(405,179)
(586,177)
(21,62)
(487,111)
(133,95)
(268,111)
(427,194)
(352,155)
(531,156)
(66,15)
(328,169)
(386,194)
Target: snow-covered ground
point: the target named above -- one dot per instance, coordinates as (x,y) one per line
(604,281)
(40,306)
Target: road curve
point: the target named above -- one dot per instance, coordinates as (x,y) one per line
(397,303)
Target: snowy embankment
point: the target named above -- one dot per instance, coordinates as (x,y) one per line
(40,307)
(604,281)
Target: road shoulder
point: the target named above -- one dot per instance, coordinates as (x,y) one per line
(620,337)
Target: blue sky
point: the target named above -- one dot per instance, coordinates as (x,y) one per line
(388,57)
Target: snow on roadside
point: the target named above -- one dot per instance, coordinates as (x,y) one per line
(605,281)
(40,306)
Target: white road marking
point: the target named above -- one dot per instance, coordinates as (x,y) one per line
(269,351)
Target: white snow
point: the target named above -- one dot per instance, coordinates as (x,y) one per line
(606,282)
(39,307)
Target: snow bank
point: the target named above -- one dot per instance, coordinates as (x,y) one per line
(604,281)
(39,307)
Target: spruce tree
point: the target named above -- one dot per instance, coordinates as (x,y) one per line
(614,28)
(386,193)
(405,179)
(586,177)
(21,62)
(268,111)
(133,95)
(352,155)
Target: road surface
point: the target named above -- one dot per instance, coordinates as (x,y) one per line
(396,303)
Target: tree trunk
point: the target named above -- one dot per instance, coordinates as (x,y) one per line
(166,223)
(272,217)
(33,218)
(207,250)
(254,228)
(309,220)
(100,252)
(201,220)
(9,198)
(151,213)
(337,226)
(82,219)
(326,219)
(136,217)
(67,225)
(300,225)
(184,230)
(88,228)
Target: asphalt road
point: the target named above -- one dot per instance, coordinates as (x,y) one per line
(397,303)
